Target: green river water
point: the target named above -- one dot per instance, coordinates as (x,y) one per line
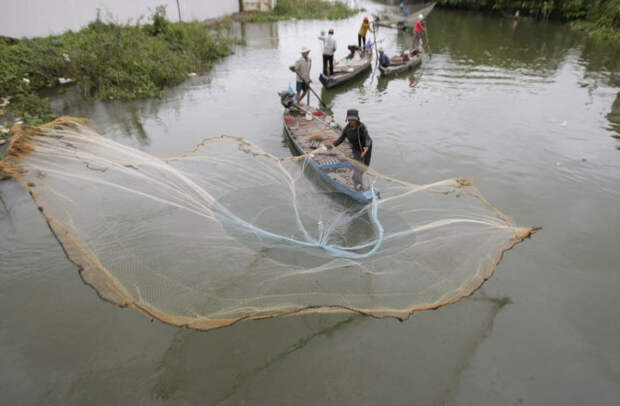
(530,111)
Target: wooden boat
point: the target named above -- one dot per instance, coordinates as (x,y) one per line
(334,166)
(402,64)
(348,68)
(400,21)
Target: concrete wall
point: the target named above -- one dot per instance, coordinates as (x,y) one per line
(36,18)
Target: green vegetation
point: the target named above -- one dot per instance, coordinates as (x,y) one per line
(600,18)
(106,61)
(305,9)
(602,21)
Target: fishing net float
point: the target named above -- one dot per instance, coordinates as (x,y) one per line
(228,232)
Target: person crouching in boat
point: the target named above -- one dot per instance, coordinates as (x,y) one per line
(384,60)
(302,73)
(329,47)
(361,35)
(417,32)
(361,144)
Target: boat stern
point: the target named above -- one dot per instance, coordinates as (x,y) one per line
(326,80)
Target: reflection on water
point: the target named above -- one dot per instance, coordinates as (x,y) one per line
(530,110)
(251,365)
(614,117)
(264,35)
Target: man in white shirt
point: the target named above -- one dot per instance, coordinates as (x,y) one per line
(302,73)
(329,47)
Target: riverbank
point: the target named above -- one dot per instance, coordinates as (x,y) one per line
(600,19)
(301,9)
(105,61)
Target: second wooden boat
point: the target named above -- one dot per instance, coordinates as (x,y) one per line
(347,68)
(401,63)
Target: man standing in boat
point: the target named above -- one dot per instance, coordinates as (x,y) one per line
(361,144)
(302,73)
(329,47)
(417,32)
(361,35)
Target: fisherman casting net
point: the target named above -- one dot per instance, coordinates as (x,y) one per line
(227,232)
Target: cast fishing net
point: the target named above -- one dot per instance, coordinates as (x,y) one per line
(227,232)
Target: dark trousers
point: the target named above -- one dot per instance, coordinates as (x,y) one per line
(328,62)
(361,41)
(417,40)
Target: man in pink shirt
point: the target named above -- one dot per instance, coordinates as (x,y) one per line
(417,32)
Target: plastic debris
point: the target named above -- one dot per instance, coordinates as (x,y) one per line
(191,74)
(64,81)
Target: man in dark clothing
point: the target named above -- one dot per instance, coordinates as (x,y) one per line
(384,60)
(361,143)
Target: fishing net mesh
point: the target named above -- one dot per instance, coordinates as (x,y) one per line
(227,232)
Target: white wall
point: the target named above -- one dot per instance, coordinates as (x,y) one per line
(36,18)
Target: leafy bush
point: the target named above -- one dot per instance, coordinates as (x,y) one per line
(107,61)
(600,18)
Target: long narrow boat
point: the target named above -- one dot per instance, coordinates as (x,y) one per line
(404,64)
(348,68)
(401,21)
(335,166)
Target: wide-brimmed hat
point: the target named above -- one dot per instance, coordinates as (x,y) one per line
(380,49)
(420,16)
(304,50)
(353,114)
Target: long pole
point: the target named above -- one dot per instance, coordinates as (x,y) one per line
(311,89)
(179,10)
(374,36)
